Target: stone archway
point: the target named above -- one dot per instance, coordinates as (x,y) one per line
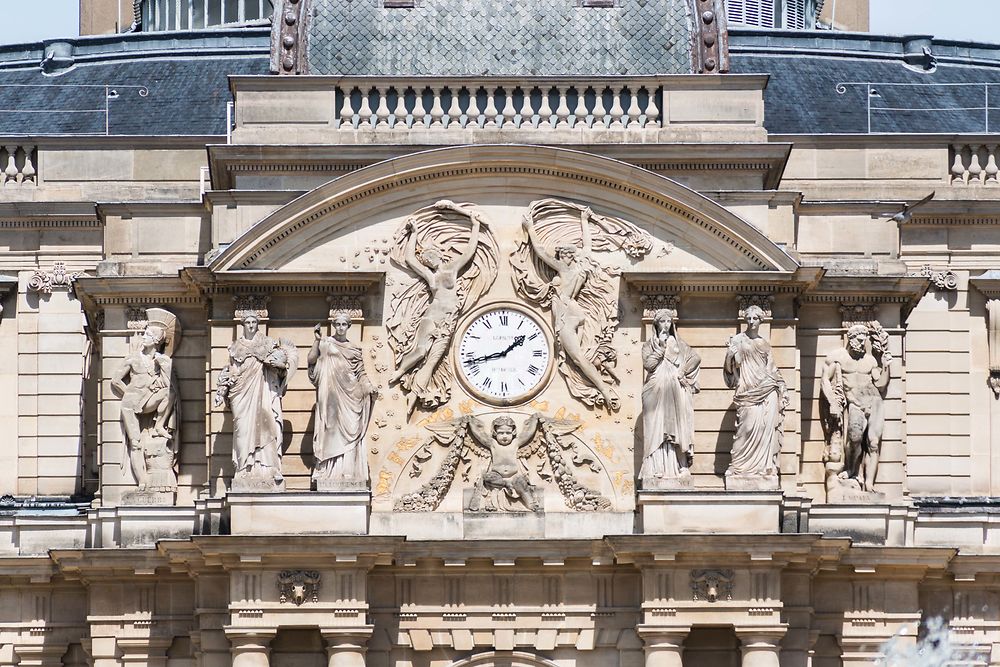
(504,659)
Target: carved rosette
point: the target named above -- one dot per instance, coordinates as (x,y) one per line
(298,586)
(712,585)
(250,304)
(763,301)
(44,282)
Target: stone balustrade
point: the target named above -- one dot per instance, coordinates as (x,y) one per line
(18,165)
(456,103)
(973,164)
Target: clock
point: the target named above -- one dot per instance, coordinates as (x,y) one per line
(504,355)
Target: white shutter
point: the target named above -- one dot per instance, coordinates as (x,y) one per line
(758,13)
(795,15)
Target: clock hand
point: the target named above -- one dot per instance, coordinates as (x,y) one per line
(518,341)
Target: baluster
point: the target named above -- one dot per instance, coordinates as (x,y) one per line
(599,113)
(400,111)
(958,173)
(419,113)
(508,107)
(491,112)
(365,111)
(652,111)
(634,110)
(527,113)
(10,173)
(580,111)
(437,111)
(991,164)
(454,108)
(616,107)
(975,168)
(29,168)
(544,110)
(562,109)
(382,110)
(347,111)
(472,113)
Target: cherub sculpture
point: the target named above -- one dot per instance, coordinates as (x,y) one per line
(506,471)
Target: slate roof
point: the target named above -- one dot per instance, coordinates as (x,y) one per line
(805,69)
(512,38)
(184,78)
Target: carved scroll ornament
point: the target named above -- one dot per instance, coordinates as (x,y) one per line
(58,278)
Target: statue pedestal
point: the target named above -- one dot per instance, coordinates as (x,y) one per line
(503,525)
(891,524)
(140,525)
(299,513)
(701,511)
(752,482)
(142,498)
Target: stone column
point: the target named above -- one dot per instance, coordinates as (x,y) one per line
(144,651)
(40,655)
(346,647)
(664,648)
(760,648)
(251,648)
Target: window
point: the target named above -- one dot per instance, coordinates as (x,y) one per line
(160,15)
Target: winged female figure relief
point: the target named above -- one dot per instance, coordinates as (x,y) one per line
(556,267)
(453,254)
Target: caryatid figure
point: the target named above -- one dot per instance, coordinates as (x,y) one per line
(150,404)
(853,388)
(345,398)
(667,403)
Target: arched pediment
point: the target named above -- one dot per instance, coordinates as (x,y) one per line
(707,234)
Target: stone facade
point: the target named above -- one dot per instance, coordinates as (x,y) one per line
(372,247)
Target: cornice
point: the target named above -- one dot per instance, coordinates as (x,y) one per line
(723,282)
(151,208)
(852,290)
(769,159)
(48,215)
(209,282)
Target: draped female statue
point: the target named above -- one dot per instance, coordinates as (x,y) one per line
(667,405)
(760,401)
(344,401)
(253,384)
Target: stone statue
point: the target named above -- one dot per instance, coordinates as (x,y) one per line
(581,292)
(761,399)
(150,405)
(253,384)
(344,401)
(853,388)
(506,472)
(504,484)
(455,266)
(667,405)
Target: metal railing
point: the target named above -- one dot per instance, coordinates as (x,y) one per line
(969,105)
(111,92)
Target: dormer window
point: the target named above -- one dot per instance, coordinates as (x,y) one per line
(161,15)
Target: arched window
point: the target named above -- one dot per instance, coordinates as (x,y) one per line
(160,15)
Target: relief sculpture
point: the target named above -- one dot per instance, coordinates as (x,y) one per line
(556,268)
(344,401)
(150,404)
(253,385)
(504,484)
(672,369)
(454,265)
(853,389)
(761,398)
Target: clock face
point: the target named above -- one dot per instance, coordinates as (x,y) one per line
(504,356)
